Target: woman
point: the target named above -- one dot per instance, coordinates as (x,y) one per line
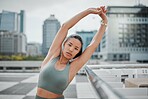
(65,57)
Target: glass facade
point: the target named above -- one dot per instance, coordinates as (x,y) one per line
(12,37)
(22,21)
(134,35)
(12,21)
(50,28)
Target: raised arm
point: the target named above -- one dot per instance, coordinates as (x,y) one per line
(96,39)
(61,35)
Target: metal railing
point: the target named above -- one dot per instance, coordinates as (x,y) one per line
(110,66)
(102,89)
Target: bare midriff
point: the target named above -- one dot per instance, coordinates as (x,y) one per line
(47,94)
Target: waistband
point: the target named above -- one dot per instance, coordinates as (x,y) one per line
(38,97)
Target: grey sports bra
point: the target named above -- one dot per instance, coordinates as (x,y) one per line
(54,80)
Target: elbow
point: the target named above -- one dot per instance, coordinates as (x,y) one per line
(65,26)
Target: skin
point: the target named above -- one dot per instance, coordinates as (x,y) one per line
(71,49)
(70,46)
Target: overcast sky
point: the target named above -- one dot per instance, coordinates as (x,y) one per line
(39,10)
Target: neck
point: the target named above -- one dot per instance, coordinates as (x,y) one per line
(63,60)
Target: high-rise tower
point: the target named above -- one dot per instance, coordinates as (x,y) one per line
(50,28)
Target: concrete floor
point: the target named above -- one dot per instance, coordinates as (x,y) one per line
(23,86)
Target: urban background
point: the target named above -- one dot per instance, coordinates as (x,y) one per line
(28,27)
(126,38)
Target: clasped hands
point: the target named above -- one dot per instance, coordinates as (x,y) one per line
(101,11)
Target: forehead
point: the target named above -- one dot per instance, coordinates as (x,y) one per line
(74,41)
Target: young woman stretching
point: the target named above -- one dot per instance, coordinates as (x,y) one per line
(65,57)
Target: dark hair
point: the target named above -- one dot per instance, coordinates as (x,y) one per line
(78,37)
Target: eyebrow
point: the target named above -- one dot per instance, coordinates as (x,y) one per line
(72,44)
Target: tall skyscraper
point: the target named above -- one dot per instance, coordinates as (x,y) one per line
(87,37)
(50,28)
(22,21)
(126,38)
(12,21)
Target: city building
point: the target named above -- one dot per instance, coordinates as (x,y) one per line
(12,43)
(126,38)
(50,28)
(12,33)
(34,49)
(12,21)
(87,37)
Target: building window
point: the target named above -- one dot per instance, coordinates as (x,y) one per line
(120,56)
(114,56)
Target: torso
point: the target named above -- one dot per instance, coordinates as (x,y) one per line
(48,94)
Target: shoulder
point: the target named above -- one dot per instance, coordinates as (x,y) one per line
(54,58)
(46,60)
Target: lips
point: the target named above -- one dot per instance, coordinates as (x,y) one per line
(69,53)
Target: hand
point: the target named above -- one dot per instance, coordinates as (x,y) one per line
(104,10)
(95,10)
(101,11)
(103,14)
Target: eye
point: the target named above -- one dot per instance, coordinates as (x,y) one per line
(76,48)
(69,44)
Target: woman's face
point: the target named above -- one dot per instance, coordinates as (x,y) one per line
(71,48)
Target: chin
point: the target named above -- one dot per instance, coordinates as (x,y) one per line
(68,57)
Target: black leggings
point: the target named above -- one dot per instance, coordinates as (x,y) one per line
(38,97)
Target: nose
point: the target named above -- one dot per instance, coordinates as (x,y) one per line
(71,49)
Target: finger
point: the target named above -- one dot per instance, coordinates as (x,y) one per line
(98,8)
(103,8)
(105,11)
(100,11)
